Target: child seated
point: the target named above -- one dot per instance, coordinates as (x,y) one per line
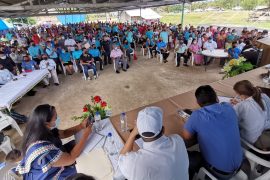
(12,159)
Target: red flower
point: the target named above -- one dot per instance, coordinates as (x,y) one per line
(97,99)
(85,109)
(103,104)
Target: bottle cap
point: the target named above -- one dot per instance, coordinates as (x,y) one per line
(97,113)
(109,134)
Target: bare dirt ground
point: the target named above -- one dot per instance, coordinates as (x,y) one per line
(146,81)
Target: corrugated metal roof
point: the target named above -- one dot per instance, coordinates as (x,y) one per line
(24,8)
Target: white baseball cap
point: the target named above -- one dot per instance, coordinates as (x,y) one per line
(150,120)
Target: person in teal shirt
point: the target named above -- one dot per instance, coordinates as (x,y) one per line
(95,53)
(35,52)
(65,58)
(129,36)
(151,45)
(149,34)
(9,36)
(127,49)
(165,36)
(76,55)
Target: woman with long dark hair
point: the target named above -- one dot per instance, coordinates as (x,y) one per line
(44,156)
(253,110)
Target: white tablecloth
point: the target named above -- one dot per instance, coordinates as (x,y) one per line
(95,142)
(13,90)
(217,53)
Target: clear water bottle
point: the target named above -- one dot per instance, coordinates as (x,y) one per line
(123,122)
(97,118)
(33,67)
(111,148)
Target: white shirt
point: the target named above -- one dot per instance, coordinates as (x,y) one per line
(70,43)
(163,159)
(5,76)
(210,45)
(241,46)
(47,64)
(252,119)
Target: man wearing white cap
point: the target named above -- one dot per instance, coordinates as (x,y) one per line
(161,157)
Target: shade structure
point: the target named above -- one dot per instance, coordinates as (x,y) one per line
(26,8)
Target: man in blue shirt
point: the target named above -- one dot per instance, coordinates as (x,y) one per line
(95,53)
(234,51)
(35,52)
(149,34)
(28,65)
(217,131)
(162,48)
(165,36)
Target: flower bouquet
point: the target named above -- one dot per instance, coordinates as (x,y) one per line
(236,66)
(97,105)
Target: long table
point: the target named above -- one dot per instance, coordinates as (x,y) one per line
(14,90)
(172,122)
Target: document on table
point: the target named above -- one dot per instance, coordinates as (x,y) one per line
(92,141)
(224,99)
(96,163)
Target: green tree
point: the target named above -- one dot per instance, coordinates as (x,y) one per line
(25,20)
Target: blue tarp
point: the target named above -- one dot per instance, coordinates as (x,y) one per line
(3,25)
(76,18)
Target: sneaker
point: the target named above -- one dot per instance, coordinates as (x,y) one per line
(186,65)
(95,77)
(45,86)
(117,72)
(124,70)
(57,84)
(89,78)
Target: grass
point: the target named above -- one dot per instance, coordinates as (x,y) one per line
(232,18)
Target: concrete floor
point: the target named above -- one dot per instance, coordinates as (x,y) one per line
(146,81)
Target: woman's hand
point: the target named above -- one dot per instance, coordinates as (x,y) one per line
(87,131)
(84,123)
(234,101)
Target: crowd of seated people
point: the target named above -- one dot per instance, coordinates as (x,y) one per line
(65,44)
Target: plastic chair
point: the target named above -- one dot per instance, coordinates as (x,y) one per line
(6,146)
(6,120)
(74,66)
(176,58)
(159,56)
(143,51)
(203,173)
(89,70)
(64,69)
(114,66)
(255,160)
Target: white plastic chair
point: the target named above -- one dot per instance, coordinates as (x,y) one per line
(6,120)
(75,67)
(6,146)
(159,56)
(64,69)
(143,51)
(255,160)
(203,173)
(89,70)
